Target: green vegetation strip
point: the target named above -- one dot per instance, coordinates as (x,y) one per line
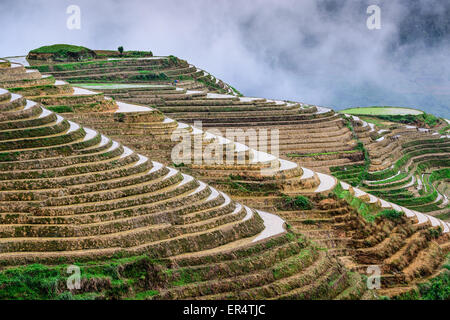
(372,111)
(59,48)
(296,155)
(39,282)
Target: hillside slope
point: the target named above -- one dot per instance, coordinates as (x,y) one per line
(353,226)
(137,228)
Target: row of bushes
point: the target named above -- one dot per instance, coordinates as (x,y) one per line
(150,76)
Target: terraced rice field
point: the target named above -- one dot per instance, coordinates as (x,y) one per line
(91,180)
(405,165)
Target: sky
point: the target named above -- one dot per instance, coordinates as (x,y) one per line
(314,51)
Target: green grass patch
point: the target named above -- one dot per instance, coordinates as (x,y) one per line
(367,211)
(377,111)
(149,76)
(56,48)
(297,202)
(61,109)
(64,52)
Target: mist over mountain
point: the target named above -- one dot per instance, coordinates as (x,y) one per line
(315,51)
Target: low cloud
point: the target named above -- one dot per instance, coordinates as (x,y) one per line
(315,51)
